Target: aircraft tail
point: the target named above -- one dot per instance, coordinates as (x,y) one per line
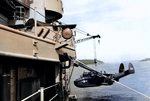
(131,68)
(121,68)
(122,72)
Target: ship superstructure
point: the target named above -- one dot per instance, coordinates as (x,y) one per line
(35,50)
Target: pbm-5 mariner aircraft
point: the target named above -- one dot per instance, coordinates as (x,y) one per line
(95,78)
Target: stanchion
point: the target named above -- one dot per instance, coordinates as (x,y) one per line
(42,93)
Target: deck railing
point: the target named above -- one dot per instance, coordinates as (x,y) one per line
(41,91)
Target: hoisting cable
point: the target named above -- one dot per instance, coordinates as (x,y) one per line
(95,59)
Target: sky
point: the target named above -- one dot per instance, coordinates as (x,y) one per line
(124,27)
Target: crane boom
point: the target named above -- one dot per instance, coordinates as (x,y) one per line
(92,37)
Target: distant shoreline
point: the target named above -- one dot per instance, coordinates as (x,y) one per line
(146,59)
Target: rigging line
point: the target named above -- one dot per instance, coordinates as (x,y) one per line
(79,30)
(129,88)
(82,32)
(88,68)
(132,89)
(38,12)
(95,59)
(10,3)
(76,29)
(42,16)
(45,19)
(32,9)
(94,48)
(70,75)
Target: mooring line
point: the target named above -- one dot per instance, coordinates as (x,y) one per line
(133,90)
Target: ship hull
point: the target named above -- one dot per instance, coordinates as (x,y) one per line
(28,63)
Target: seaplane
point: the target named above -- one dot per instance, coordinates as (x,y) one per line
(95,78)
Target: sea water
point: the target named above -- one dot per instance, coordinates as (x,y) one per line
(139,81)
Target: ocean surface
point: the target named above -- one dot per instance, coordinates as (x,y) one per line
(140,81)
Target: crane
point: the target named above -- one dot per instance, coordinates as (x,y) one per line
(84,39)
(91,37)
